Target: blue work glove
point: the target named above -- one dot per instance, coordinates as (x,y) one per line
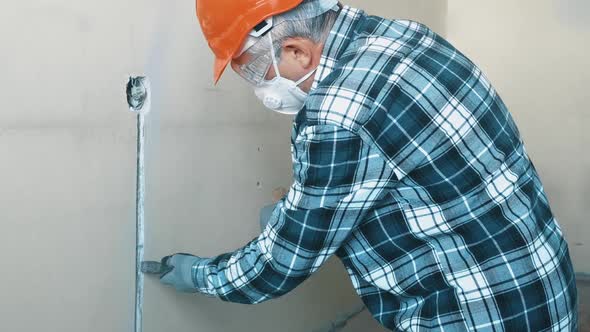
(175,270)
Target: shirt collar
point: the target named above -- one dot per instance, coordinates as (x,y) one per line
(338,40)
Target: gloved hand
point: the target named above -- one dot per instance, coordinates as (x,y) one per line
(174,270)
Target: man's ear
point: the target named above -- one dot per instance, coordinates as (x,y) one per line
(298,51)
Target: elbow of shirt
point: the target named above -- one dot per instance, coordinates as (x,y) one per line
(271,284)
(256,294)
(239,297)
(282,283)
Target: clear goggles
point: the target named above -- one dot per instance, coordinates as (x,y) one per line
(255,69)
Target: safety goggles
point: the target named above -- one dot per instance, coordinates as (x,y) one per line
(255,70)
(254,36)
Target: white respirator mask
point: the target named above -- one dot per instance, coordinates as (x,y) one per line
(280,94)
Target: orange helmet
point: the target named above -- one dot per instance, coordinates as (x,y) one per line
(227,23)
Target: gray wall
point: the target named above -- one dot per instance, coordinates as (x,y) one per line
(535,52)
(67,147)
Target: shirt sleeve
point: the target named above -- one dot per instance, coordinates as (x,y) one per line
(337,180)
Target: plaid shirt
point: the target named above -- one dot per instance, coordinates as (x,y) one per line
(408,166)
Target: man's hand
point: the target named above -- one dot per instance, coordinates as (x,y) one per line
(266,211)
(174,270)
(278,193)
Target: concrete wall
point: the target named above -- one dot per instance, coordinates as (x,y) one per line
(67,147)
(535,52)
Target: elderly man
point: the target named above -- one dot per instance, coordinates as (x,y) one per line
(407,166)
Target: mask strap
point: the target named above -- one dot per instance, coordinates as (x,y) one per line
(304,78)
(272,54)
(276,66)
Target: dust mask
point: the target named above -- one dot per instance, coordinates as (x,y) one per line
(280,94)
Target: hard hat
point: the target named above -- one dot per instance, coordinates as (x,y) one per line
(227,23)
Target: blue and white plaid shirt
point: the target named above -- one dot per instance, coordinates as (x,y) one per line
(408,166)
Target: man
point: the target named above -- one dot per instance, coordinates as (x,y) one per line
(407,166)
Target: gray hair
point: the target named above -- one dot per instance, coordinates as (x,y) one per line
(299,25)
